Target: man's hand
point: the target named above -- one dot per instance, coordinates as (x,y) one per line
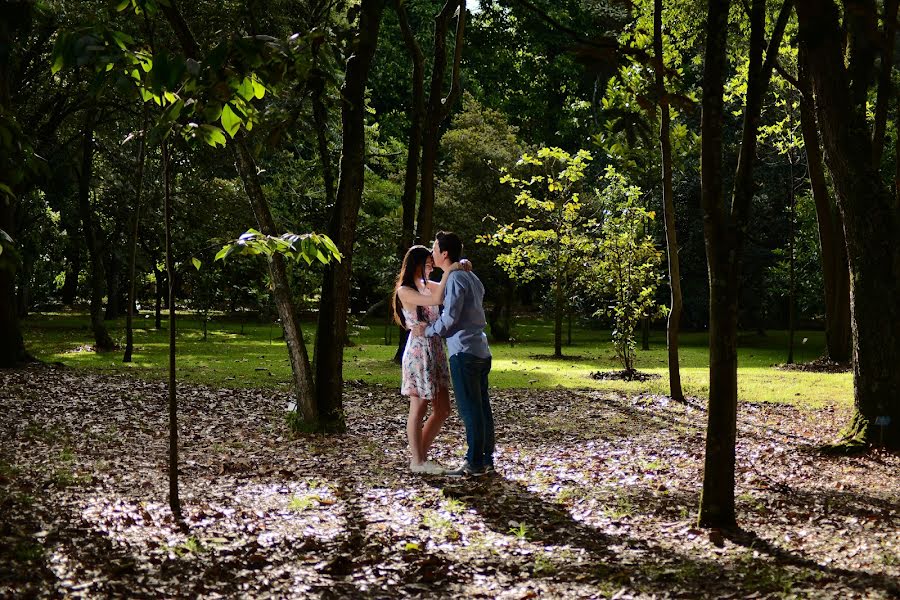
(418,330)
(465,264)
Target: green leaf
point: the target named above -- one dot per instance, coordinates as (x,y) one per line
(8,191)
(196,262)
(122,5)
(259,90)
(212,135)
(221,254)
(230,121)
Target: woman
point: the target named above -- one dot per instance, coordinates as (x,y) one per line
(426,374)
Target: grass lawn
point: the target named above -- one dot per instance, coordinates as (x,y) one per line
(256,358)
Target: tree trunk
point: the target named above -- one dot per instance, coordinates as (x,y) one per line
(113,308)
(673,325)
(884,81)
(23,297)
(12,346)
(157,321)
(304,395)
(102,341)
(558,311)
(174,500)
(73,269)
(135,229)
(335,298)
(724,235)
(871,216)
(792,294)
(438,109)
(833,245)
(410,180)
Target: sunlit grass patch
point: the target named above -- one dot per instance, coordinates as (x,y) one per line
(251,355)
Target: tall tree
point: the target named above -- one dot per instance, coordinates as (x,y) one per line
(174,498)
(665,145)
(439,108)
(832,243)
(335,298)
(870,209)
(13,148)
(102,340)
(135,228)
(245,164)
(724,234)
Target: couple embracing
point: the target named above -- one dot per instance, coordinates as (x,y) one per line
(426,376)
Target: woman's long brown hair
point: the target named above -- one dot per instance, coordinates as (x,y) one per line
(413,262)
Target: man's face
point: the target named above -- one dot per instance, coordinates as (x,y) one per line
(436,253)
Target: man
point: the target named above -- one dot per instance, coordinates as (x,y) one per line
(462,323)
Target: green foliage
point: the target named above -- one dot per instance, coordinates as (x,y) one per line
(307,247)
(626,268)
(550,238)
(200,99)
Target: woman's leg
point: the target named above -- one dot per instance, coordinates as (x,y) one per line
(440,410)
(417,408)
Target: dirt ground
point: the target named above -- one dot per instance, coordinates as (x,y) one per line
(596,496)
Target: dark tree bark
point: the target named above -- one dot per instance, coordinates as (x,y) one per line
(301,369)
(792,287)
(23,297)
(885,90)
(871,216)
(665,144)
(438,108)
(724,236)
(157,321)
(12,346)
(335,298)
(113,308)
(833,245)
(246,166)
(320,119)
(414,150)
(102,341)
(73,269)
(135,229)
(174,500)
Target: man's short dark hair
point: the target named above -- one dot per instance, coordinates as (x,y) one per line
(450,243)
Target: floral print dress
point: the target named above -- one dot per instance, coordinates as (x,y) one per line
(424,366)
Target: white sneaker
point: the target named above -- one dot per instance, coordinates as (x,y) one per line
(428,467)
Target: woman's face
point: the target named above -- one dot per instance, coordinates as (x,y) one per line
(429,267)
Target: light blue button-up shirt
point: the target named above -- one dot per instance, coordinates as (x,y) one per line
(462,320)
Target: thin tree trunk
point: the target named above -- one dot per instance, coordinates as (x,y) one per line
(157,321)
(724,235)
(884,80)
(833,244)
(23,298)
(174,500)
(792,294)
(438,109)
(112,288)
(558,310)
(135,228)
(246,167)
(414,151)
(320,120)
(871,215)
(335,298)
(304,394)
(102,341)
(673,325)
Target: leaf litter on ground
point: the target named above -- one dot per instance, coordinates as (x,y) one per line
(596,496)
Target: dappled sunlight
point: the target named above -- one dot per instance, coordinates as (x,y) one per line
(596,493)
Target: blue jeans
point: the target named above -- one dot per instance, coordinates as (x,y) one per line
(470,384)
